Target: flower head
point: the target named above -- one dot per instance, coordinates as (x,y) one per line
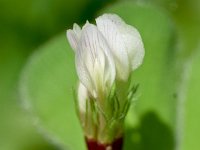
(94,62)
(105,56)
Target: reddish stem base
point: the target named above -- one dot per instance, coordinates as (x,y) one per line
(94,145)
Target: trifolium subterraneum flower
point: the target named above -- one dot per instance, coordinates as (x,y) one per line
(105,56)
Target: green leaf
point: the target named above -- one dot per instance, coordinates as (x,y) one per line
(15,122)
(47,91)
(189,133)
(49,76)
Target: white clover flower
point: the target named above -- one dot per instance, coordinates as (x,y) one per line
(94,62)
(105,56)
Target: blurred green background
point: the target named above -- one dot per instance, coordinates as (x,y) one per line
(26,25)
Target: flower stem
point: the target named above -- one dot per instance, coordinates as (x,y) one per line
(94,145)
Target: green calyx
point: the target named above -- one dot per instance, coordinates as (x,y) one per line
(103,119)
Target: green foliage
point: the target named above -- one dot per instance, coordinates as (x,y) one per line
(190,104)
(35,20)
(166,110)
(47,89)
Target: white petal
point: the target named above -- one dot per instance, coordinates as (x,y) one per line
(95,57)
(82,71)
(77,30)
(111,32)
(74,36)
(82,97)
(125,43)
(134,46)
